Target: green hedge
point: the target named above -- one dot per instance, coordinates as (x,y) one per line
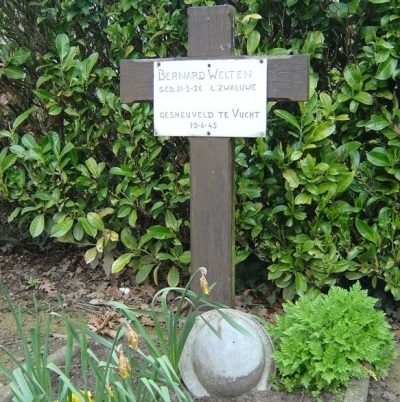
(317,199)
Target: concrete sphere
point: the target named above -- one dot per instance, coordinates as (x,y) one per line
(228,364)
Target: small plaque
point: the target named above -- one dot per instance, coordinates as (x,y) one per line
(216,98)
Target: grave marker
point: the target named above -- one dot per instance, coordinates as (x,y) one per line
(211,39)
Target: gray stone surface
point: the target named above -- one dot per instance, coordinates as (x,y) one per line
(228,364)
(357,391)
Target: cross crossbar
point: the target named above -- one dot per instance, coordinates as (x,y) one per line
(287,77)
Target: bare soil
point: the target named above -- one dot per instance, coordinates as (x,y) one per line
(28,274)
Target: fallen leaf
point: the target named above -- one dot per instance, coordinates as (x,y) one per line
(47,286)
(147,321)
(106,324)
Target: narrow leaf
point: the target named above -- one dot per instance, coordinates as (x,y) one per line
(283,114)
(22,117)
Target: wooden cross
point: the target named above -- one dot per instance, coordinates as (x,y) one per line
(211,36)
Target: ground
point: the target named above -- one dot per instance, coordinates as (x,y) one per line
(29,273)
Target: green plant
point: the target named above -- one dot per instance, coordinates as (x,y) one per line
(174,319)
(143,368)
(151,378)
(322,341)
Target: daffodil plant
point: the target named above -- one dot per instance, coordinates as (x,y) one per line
(140,366)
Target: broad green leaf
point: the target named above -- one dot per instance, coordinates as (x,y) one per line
(55,110)
(91,164)
(386,69)
(377,123)
(125,210)
(279,208)
(67,149)
(308,166)
(338,10)
(364,98)
(87,227)
(171,222)
(353,77)
(62,45)
(165,257)
(185,257)
(173,276)
(325,100)
(283,114)
(291,177)
(14,72)
(95,220)
(6,161)
(62,228)
(378,157)
(303,198)
(252,42)
(344,182)
(369,233)
(127,239)
(78,231)
(323,131)
(21,55)
(241,256)
(300,216)
(346,149)
(43,95)
(159,232)
(88,64)
(296,155)
(144,239)
(143,273)
(37,226)
(120,263)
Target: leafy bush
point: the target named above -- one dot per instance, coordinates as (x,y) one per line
(322,341)
(317,199)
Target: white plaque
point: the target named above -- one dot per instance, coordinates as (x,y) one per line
(216,98)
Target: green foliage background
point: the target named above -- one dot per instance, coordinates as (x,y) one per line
(317,199)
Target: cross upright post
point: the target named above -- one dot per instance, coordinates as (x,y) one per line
(211,33)
(211,36)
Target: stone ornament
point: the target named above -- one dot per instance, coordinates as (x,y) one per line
(228,365)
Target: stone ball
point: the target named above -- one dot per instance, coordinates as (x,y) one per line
(226,361)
